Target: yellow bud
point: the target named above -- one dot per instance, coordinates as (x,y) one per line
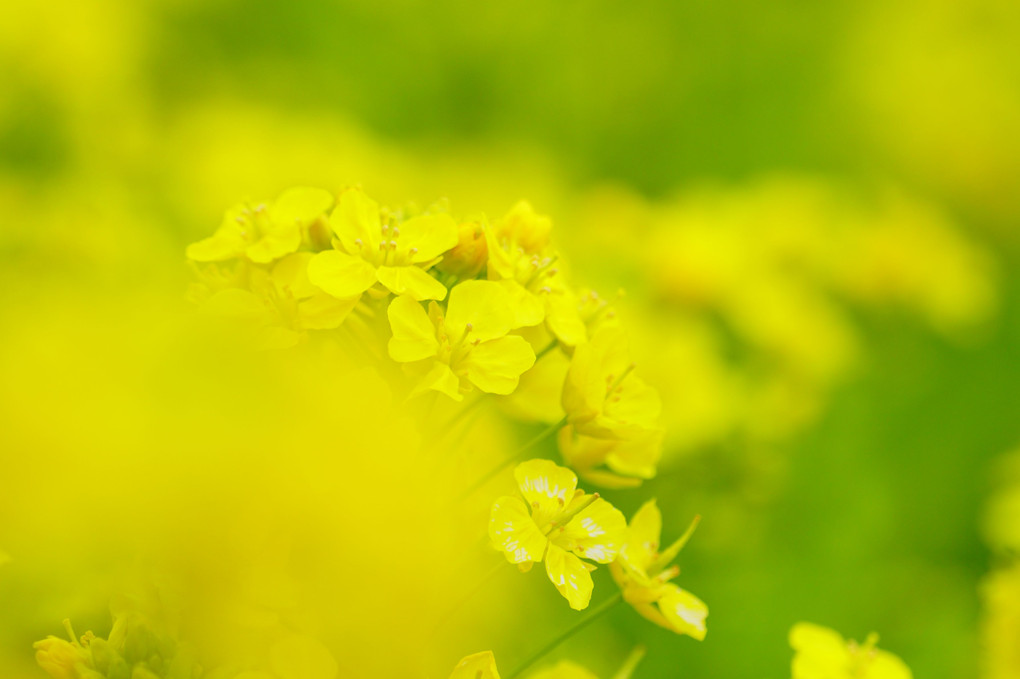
(59,658)
(468,257)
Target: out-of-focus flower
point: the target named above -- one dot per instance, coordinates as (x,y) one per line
(612,462)
(135,649)
(601,395)
(565,669)
(467,345)
(1000,625)
(372,248)
(264,233)
(469,255)
(519,258)
(821,653)
(281,304)
(556,523)
(476,666)
(612,435)
(643,573)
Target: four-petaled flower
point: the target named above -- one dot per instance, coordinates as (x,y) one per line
(467,345)
(643,573)
(369,249)
(556,523)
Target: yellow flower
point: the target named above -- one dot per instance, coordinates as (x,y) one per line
(601,395)
(264,233)
(280,304)
(467,345)
(821,653)
(370,250)
(519,259)
(63,659)
(468,257)
(477,666)
(611,462)
(556,523)
(643,573)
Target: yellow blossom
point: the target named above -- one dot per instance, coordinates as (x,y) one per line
(556,523)
(821,653)
(369,249)
(644,572)
(612,462)
(520,260)
(476,666)
(468,257)
(263,233)
(63,659)
(466,345)
(281,304)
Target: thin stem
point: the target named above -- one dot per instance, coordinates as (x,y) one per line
(577,627)
(521,452)
(631,663)
(549,347)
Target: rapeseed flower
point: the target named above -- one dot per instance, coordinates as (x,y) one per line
(612,435)
(264,233)
(466,345)
(520,259)
(821,653)
(601,395)
(559,524)
(643,573)
(372,247)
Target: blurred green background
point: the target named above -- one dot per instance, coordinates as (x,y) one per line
(126,128)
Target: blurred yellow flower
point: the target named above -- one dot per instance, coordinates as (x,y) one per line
(564,669)
(476,666)
(556,523)
(467,345)
(370,249)
(612,462)
(643,573)
(264,233)
(469,255)
(821,653)
(601,395)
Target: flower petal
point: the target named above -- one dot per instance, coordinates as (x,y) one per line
(496,366)
(685,612)
(300,204)
(596,532)
(275,244)
(527,306)
(513,531)
(440,378)
(642,538)
(546,486)
(477,666)
(356,218)
(340,274)
(324,312)
(483,305)
(411,280)
(430,235)
(414,336)
(570,575)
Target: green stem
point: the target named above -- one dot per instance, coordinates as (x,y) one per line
(577,627)
(521,452)
(549,347)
